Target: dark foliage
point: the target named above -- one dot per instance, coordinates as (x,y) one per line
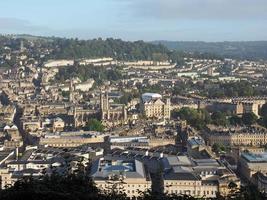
(99,74)
(79,186)
(115,48)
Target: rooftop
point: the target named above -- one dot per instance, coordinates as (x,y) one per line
(195,142)
(260,157)
(103,168)
(150,96)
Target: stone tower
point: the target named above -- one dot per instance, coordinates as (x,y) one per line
(104,105)
(71,90)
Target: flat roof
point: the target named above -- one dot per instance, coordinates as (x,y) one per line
(104,167)
(252,157)
(195,141)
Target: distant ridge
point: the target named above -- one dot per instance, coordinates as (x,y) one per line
(250,50)
(243,50)
(29,37)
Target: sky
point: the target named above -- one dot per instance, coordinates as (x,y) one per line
(175,20)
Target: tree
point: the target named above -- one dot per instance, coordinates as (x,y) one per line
(217,148)
(219,119)
(196,118)
(264,121)
(263,114)
(80,186)
(127,97)
(65,94)
(115,48)
(249,118)
(94,125)
(249,192)
(235,120)
(263,110)
(63,187)
(85,72)
(242,88)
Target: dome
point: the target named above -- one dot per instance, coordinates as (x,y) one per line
(6,127)
(149,96)
(14,127)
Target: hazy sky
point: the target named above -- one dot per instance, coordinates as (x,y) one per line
(207,20)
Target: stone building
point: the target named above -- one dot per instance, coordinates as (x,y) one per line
(197,177)
(128,176)
(153,106)
(238,107)
(251,163)
(72,139)
(111,112)
(238,136)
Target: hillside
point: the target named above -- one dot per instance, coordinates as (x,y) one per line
(251,50)
(64,48)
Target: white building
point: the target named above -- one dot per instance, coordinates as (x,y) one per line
(58,63)
(127,176)
(153,106)
(197,177)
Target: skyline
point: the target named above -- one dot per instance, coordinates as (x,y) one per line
(175,20)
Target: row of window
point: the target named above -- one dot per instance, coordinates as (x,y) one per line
(182,183)
(189,192)
(139,186)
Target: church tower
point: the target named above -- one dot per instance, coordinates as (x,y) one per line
(104,105)
(21,46)
(71,89)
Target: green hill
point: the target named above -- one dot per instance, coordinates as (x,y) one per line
(251,50)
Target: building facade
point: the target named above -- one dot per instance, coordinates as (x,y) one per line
(125,176)
(109,112)
(153,106)
(242,136)
(197,177)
